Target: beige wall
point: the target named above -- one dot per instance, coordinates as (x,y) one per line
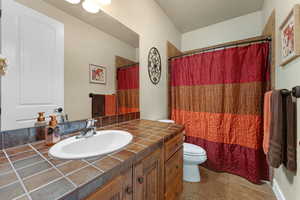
(286,77)
(234,29)
(147,19)
(84,44)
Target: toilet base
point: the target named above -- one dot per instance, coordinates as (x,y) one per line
(191,173)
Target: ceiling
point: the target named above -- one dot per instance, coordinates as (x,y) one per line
(101,20)
(189,15)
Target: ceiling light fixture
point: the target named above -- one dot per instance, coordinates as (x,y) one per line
(73,1)
(92,6)
(105,2)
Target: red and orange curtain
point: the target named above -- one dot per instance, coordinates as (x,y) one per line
(128,89)
(218,96)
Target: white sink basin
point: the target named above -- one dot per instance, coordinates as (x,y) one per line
(104,142)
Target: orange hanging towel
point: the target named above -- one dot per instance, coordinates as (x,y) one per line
(110,105)
(267,121)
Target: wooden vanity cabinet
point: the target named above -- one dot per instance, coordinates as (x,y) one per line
(159,176)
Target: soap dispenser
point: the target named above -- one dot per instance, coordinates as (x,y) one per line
(52,135)
(41,126)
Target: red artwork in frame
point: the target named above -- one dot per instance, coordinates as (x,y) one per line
(290,33)
(97,74)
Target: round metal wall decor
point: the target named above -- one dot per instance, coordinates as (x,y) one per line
(154,65)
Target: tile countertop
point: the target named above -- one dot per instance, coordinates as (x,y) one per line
(28,173)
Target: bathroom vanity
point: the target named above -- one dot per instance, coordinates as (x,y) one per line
(150,168)
(157,176)
(153,177)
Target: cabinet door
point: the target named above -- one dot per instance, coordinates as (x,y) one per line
(119,188)
(127,186)
(148,178)
(174,176)
(111,191)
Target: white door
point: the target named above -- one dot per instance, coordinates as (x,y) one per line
(34,46)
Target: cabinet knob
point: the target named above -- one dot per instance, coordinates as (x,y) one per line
(177,167)
(140,180)
(129,190)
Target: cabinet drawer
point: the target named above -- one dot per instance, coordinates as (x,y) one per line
(174,175)
(173,145)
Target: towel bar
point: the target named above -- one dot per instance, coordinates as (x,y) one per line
(295,92)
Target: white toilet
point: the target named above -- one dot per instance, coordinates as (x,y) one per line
(193,156)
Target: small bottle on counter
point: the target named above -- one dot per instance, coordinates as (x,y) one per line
(52,135)
(41,126)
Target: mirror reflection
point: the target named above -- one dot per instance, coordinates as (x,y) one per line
(66,62)
(127,85)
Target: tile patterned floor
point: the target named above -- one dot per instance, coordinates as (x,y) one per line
(223,186)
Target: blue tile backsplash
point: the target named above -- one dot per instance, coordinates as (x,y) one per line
(71,127)
(28,135)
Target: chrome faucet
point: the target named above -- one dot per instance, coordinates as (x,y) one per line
(89,131)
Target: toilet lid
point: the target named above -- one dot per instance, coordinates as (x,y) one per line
(194,150)
(167,121)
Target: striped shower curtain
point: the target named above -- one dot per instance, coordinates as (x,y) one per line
(128,89)
(218,96)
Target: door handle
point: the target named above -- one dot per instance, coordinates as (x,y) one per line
(129,190)
(140,180)
(59,110)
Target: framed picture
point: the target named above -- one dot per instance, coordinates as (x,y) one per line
(290,36)
(97,74)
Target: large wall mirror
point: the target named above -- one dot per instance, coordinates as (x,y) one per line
(63,60)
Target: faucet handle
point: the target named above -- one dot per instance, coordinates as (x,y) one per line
(90,123)
(94,122)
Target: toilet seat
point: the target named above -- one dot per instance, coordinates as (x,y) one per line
(193,150)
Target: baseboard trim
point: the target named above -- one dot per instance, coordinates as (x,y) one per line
(278,193)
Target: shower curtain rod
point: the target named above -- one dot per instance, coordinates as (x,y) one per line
(130,65)
(225,45)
